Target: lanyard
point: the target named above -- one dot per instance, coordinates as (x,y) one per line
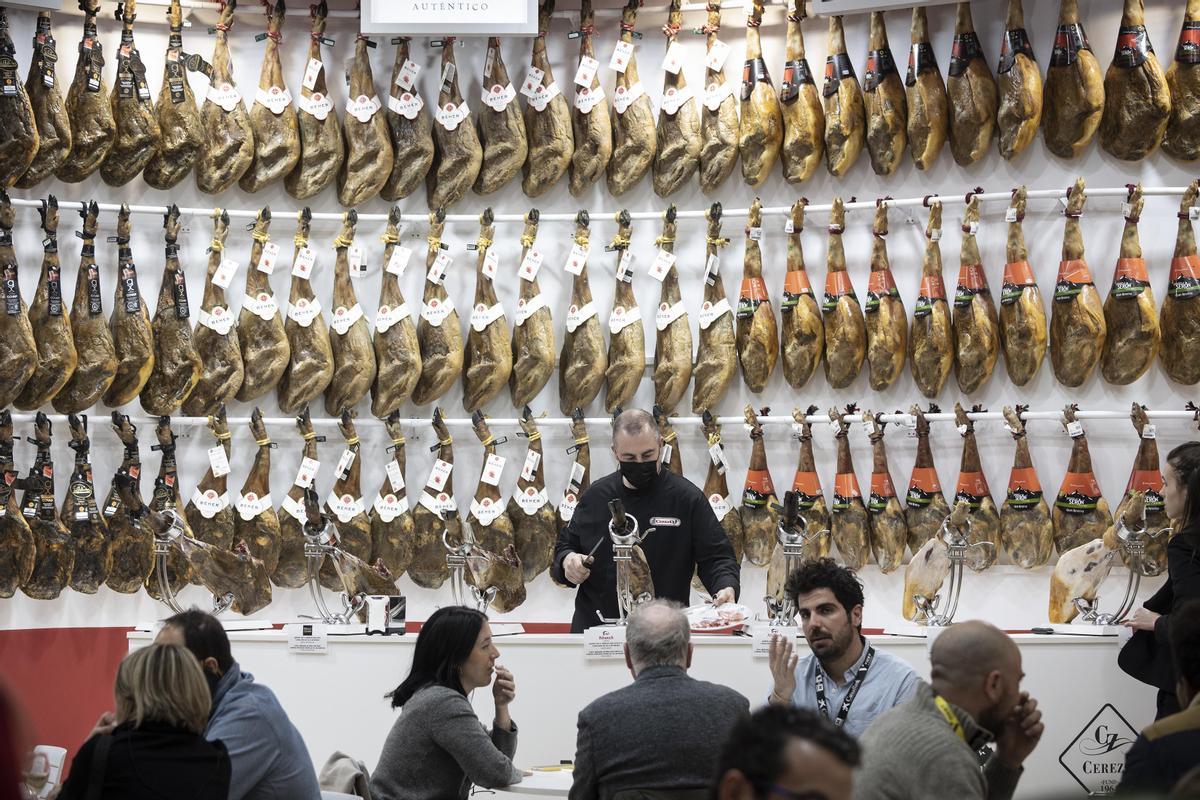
(855,685)
(948,713)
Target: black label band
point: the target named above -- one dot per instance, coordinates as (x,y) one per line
(1188,49)
(1068,41)
(965,50)
(1133,46)
(129,288)
(54,305)
(880,64)
(754,71)
(12,291)
(1015,41)
(921,58)
(95,302)
(182,309)
(795,74)
(837,67)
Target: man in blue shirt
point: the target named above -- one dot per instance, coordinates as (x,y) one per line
(270,760)
(844,679)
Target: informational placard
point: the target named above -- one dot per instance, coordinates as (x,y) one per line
(450,17)
(763,634)
(307,638)
(602,642)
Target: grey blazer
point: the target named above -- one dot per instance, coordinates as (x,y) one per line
(663,731)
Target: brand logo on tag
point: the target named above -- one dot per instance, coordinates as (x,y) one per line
(671,522)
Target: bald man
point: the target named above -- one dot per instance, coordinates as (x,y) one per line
(687,537)
(927,746)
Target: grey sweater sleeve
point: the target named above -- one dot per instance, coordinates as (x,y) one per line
(486,760)
(1001,780)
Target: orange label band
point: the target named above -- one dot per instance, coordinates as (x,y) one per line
(881,282)
(970,276)
(796,282)
(760,481)
(933,287)
(845,484)
(1145,480)
(1024,478)
(925,479)
(1019,273)
(972,483)
(754,289)
(807,483)
(1133,268)
(838,283)
(1074,271)
(1185,267)
(881,484)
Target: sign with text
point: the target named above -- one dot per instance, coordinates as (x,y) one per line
(450,17)
(604,642)
(1096,756)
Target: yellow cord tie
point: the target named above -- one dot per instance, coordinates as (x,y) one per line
(300,240)
(483,243)
(584,440)
(217,245)
(489,441)
(527,239)
(342,241)
(435,242)
(389,238)
(533,437)
(260,236)
(717,241)
(665,240)
(309,436)
(223,437)
(398,440)
(353,440)
(620,242)
(670,437)
(581,238)
(714,439)
(449,440)
(263,442)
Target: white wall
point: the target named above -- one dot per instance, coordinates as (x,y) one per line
(1005,595)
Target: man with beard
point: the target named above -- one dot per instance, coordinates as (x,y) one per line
(268,754)
(930,745)
(844,679)
(687,537)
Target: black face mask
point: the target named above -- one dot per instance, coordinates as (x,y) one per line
(640,474)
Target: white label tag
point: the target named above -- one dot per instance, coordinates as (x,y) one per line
(436,311)
(720,505)
(311,72)
(398,261)
(525,308)
(935,235)
(1126,209)
(668,314)
(218,462)
(358,264)
(715,94)
(530,264)
(395,476)
(307,638)
(673,99)
(316,105)
(306,259)
(219,320)
(362,108)
(604,642)
(442,504)
(1149,432)
(576,316)
(666,453)
(344,463)
(531,500)
(718,51)
(345,507)
(711,312)
(389,506)
(407,77)
(577,260)
(1194,213)
(407,105)
(789,226)
(307,472)
(303,311)
(529,468)
(586,99)
(542,97)
(251,505)
(586,71)
(295,508)
(489,61)
(716,454)
(663,261)
(533,79)
(566,509)
(224,274)
(387,316)
(491,261)
(482,316)
(623,97)
(755,234)
(625,267)
(621,318)
(224,95)
(1010,214)
(763,634)
(712,266)
(437,270)
(451,116)
(209,503)
(972,228)
(486,511)
(1075,429)
(343,318)
(673,60)
(276,99)
(620,57)
(493,468)
(261,305)
(498,97)
(439,475)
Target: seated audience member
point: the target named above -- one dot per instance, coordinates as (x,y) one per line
(154,746)
(270,760)
(438,747)
(1170,748)
(927,746)
(844,678)
(785,752)
(664,730)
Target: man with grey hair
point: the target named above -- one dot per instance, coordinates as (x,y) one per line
(665,730)
(688,539)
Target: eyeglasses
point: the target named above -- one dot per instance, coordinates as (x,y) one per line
(774,789)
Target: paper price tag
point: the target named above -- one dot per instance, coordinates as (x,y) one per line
(490,262)
(306,259)
(529,468)
(755,234)
(307,472)
(1149,432)
(304,312)
(673,60)
(439,475)
(586,99)
(715,94)
(407,78)
(398,261)
(620,57)
(525,308)
(530,264)
(935,235)
(344,318)
(395,476)
(493,469)
(1194,213)
(345,462)
(1010,214)
(623,98)
(358,265)
(437,270)
(533,79)
(436,311)
(717,53)
(673,99)
(317,105)
(311,72)
(711,312)
(663,261)
(1075,429)
(586,71)
(1126,209)
(224,95)
(498,97)
(224,274)
(407,105)
(717,454)
(451,116)
(307,639)
(625,267)
(266,262)
(577,259)
(218,462)
(720,505)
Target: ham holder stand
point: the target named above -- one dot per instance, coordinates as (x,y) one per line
(457,559)
(1133,548)
(956,535)
(170,538)
(318,546)
(793,541)
(623,530)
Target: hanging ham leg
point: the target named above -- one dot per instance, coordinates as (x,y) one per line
(256,523)
(1077,327)
(1080,512)
(1132,332)
(849,523)
(627,343)
(845,113)
(133,337)
(885,102)
(344,505)
(757,333)
(889,530)
(498,565)
(533,330)
(438,330)
(761,132)
(547,120)
(291,570)
(310,355)
(931,342)
(806,483)
(89,107)
(369,157)
(1137,100)
(673,342)
(321,148)
(534,519)
(634,138)
(974,96)
(1180,351)
(581,476)
(1146,482)
(973,489)
(177,364)
(49,112)
(582,361)
(1025,525)
(131,546)
(138,134)
(976,328)
(716,489)
(167,495)
(17,548)
(589,115)
(671,459)
(1182,138)
(272,116)
(97,362)
(18,348)
(928,105)
(436,514)
(800,102)
(181,132)
(209,512)
(1020,84)
(845,328)
(215,337)
(397,351)
(457,155)
(410,125)
(54,557)
(487,358)
(887,324)
(1023,329)
(228,147)
(678,152)
(758,516)
(716,354)
(349,339)
(501,125)
(1073,98)
(51,324)
(925,505)
(719,115)
(801,332)
(81,515)
(264,342)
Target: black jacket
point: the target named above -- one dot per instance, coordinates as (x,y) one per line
(153,762)
(1163,753)
(1147,656)
(687,538)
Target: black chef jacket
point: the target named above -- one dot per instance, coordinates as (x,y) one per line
(687,536)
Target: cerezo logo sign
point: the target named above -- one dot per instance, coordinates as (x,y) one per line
(1096,756)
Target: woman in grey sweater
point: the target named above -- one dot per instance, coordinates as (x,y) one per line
(438,747)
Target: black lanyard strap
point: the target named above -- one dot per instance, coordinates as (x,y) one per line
(855,685)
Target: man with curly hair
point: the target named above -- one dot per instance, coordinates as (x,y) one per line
(844,678)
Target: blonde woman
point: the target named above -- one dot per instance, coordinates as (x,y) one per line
(153,748)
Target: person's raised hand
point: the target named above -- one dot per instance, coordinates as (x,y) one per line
(782,657)
(504,688)
(724,596)
(1021,733)
(575,565)
(1142,620)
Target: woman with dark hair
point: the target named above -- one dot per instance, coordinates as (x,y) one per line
(438,747)
(1147,654)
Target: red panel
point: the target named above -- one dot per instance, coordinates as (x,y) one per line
(62,678)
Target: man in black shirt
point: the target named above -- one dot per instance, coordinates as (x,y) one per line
(687,536)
